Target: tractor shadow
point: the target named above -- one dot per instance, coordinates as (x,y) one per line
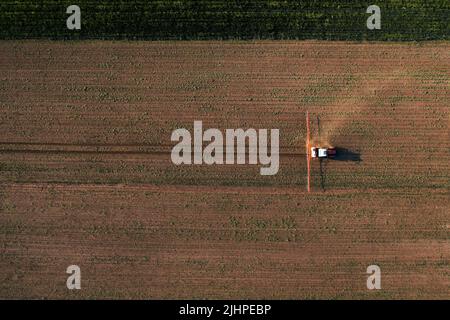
(344,154)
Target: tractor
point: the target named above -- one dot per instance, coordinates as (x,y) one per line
(319,152)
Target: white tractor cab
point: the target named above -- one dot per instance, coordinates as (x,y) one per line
(317,152)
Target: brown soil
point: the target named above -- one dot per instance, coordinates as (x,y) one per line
(86,176)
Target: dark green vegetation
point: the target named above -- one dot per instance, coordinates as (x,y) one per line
(224,19)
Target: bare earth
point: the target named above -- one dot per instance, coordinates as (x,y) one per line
(86,176)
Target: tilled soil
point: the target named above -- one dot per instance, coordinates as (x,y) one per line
(86,176)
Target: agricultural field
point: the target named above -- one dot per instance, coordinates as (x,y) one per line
(86,176)
(412,20)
